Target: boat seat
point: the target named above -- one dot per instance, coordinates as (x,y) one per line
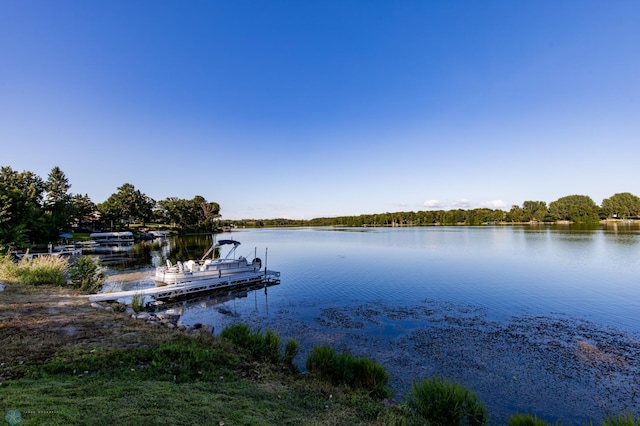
(190,265)
(169,265)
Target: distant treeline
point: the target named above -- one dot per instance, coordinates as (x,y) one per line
(35,210)
(573,208)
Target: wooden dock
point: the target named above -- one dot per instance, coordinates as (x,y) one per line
(187,289)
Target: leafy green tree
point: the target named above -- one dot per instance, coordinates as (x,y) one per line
(10,231)
(145,208)
(536,210)
(530,210)
(128,205)
(576,208)
(167,210)
(195,214)
(209,212)
(21,196)
(454,217)
(81,207)
(622,205)
(31,185)
(483,216)
(517,214)
(184,213)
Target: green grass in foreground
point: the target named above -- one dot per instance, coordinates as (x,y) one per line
(240,378)
(87,399)
(188,379)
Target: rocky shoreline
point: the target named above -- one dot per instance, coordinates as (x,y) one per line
(167,319)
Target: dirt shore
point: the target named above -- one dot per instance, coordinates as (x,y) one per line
(38,322)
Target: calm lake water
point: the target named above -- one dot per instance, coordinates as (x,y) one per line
(486,306)
(592,274)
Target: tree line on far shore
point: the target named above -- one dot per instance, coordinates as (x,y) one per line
(572,208)
(36,210)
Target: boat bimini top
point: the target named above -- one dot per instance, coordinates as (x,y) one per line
(225,242)
(220,244)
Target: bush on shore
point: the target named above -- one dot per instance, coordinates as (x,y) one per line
(40,270)
(345,369)
(262,347)
(442,402)
(86,274)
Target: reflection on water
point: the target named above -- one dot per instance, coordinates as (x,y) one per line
(151,253)
(218,301)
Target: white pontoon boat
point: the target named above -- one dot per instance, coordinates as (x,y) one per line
(192,270)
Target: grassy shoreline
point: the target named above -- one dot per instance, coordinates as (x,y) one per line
(65,362)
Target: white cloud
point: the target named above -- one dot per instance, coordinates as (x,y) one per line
(462,204)
(432,204)
(494,204)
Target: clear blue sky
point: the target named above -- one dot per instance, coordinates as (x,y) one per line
(303,109)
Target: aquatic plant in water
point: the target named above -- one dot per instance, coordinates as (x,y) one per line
(137,302)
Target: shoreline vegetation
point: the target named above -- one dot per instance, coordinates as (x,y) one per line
(66,362)
(284,223)
(39,211)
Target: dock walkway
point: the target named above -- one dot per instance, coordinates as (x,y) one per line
(193,287)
